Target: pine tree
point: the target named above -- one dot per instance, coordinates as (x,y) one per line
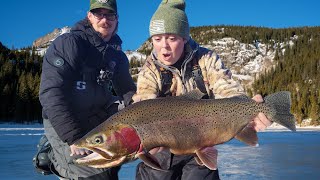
(315,108)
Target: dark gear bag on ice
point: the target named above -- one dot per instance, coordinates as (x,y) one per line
(41,161)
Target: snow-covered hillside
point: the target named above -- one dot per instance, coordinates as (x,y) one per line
(246,61)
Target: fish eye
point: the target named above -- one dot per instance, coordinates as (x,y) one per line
(98,140)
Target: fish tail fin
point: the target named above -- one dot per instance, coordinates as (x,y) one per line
(281,102)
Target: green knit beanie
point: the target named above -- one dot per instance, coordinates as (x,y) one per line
(170,17)
(106,4)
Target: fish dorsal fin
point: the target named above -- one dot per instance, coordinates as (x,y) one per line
(248,135)
(194,94)
(149,160)
(208,157)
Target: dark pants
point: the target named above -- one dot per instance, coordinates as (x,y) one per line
(176,167)
(111,174)
(63,162)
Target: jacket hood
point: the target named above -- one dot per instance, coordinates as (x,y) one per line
(191,46)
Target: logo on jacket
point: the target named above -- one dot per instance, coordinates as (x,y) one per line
(58,62)
(81,85)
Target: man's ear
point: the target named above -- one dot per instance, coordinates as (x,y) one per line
(89,15)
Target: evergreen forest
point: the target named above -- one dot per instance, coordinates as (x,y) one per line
(297,70)
(20,72)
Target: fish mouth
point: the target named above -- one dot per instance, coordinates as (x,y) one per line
(100,158)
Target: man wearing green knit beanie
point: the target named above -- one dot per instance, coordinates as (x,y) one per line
(176,66)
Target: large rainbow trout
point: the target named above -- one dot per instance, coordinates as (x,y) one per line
(185,124)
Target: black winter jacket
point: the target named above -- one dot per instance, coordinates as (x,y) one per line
(71,98)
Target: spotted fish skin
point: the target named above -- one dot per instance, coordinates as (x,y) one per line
(185,124)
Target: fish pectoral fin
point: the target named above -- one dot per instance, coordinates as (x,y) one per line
(248,135)
(207,156)
(198,161)
(149,160)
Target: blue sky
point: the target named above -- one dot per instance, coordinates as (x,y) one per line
(24,21)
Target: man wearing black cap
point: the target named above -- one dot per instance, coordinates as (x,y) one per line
(85,78)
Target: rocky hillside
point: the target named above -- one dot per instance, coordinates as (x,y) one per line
(265,60)
(247,60)
(41,44)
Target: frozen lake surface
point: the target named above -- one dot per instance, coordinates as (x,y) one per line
(281,155)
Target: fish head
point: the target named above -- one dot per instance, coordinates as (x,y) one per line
(110,147)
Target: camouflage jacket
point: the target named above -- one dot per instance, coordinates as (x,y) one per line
(217,78)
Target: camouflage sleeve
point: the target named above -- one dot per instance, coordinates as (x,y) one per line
(148,83)
(218,77)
